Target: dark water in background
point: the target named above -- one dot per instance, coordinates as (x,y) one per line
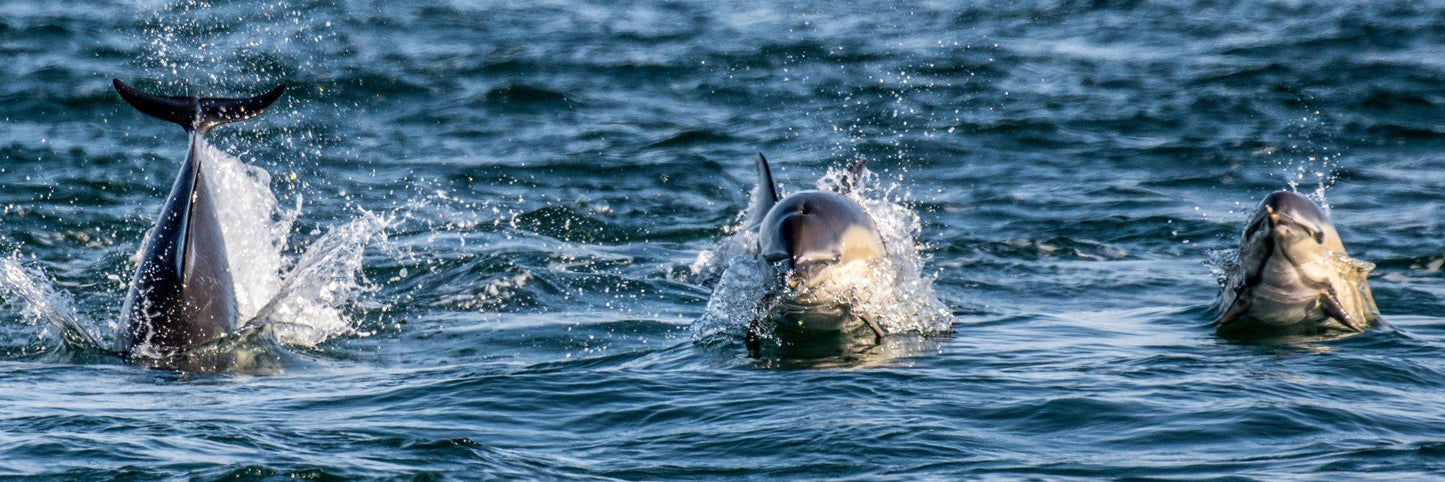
(548,175)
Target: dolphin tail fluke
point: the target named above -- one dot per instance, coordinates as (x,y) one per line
(765,193)
(197,114)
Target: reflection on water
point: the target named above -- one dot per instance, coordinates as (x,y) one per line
(251,351)
(852,350)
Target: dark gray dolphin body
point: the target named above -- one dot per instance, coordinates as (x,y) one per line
(182,295)
(802,239)
(1293,275)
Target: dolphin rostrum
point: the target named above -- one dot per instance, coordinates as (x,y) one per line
(803,241)
(1293,275)
(182,295)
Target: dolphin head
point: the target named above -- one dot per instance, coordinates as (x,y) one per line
(1291,227)
(806,234)
(1293,273)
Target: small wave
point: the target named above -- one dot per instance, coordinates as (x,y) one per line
(511,94)
(1058,247)
(500,292)
(1387,100)
(1412,133)
(567,224)
(692,137)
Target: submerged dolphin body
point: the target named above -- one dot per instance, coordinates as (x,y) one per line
(182,296)
(1293,276)
(804,240)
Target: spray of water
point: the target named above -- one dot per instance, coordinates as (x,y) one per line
(254,226)
(39,303)
(310,305)
(303,304)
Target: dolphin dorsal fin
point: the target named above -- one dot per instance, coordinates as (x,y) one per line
(765,194)
(197,114)
(852,177)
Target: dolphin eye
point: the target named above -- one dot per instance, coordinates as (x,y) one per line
(1319,237)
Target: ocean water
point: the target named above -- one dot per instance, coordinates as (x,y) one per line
(497,240)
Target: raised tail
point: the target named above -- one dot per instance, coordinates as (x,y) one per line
(197,114)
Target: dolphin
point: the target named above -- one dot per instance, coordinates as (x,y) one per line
(1293,276)
(804,240)
(182,296)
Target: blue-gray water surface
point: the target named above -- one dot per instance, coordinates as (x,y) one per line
(547,179)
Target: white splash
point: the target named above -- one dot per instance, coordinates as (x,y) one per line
(252,223)
(309,307)
(737,299)
(305,305)
(891,290)
(41,303)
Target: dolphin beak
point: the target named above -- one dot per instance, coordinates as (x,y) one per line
(803,273)
(797,275)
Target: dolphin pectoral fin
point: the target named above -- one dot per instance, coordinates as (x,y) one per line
(877,330)
(1236,309)
(1230,315)
(1330,302)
